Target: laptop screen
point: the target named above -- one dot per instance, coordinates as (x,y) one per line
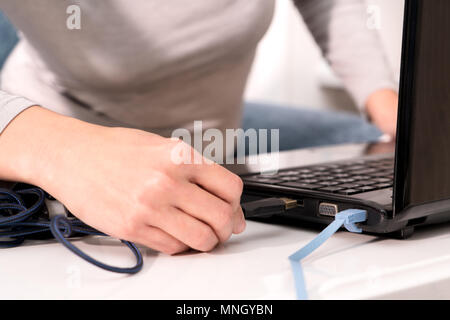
(423,142)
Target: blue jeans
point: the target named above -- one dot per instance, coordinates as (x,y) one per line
(302,128)
(8,38)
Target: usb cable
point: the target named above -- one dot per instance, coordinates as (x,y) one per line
(268,207)
(273,206)
(21,217)
(346,218)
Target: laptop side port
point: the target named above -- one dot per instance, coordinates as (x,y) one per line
(328,209)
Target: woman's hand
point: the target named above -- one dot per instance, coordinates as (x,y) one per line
(382,107)
(124,182)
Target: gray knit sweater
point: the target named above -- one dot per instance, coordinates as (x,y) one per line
(161,64)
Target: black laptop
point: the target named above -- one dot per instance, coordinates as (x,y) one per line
(401,189)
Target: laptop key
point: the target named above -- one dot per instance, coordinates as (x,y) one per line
(269,181)
(328,183)
(349,186)
(342,175)
(366,183)
(360,178)
(289,179)
(307,176)
(263,179)
(320,168)
(309,181)
(331,189)
(326,178)
(367,188)
(252,178)
(287,173)
(364,171)
(348,192)
(301,185)
(357,167)
(383,185)
(382,180)
(348,180)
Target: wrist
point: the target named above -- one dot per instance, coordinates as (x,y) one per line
(17,144)
(61,143)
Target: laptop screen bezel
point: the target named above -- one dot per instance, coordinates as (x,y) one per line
(422,155)
(405,100)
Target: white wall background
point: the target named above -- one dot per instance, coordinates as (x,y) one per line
(290,70)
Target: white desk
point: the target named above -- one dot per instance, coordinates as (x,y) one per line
(253,265)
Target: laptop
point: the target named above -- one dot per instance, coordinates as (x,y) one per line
(402,185)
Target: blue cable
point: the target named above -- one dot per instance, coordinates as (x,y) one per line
(346,218)
(61,221)
(24,213)
(19,221)
(28,221)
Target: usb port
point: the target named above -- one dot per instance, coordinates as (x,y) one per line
(328,209)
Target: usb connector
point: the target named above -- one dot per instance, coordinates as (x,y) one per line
(268,207)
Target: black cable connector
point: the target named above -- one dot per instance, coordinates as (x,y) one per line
(268,207)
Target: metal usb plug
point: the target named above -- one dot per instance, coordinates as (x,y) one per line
(268,207)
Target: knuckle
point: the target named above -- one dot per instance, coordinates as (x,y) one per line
(181,153)
(204,240)
(159,183)
(174,247)
(149,213)
(236,191)
(152,197)
(164,181)
(131,226)
(225,218)
(238,184)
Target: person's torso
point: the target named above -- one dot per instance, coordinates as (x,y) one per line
(144,62)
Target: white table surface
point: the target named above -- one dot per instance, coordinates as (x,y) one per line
(253,265)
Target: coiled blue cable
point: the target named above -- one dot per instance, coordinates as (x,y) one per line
(17,222)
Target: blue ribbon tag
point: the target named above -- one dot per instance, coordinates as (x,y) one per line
(346,218)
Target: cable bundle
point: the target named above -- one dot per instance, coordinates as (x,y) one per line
(23,216)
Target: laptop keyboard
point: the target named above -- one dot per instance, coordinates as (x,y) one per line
(347,178)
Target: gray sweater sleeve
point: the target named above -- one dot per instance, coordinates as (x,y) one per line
(354,51)
(10,107)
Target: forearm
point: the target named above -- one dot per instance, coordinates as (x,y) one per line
(33,141)
(353,50)
(22,145)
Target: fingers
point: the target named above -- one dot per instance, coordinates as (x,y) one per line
(225,185)
(187,229)
(196,204)
(218,181)
(159,240)
(223,218)
(239,221)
